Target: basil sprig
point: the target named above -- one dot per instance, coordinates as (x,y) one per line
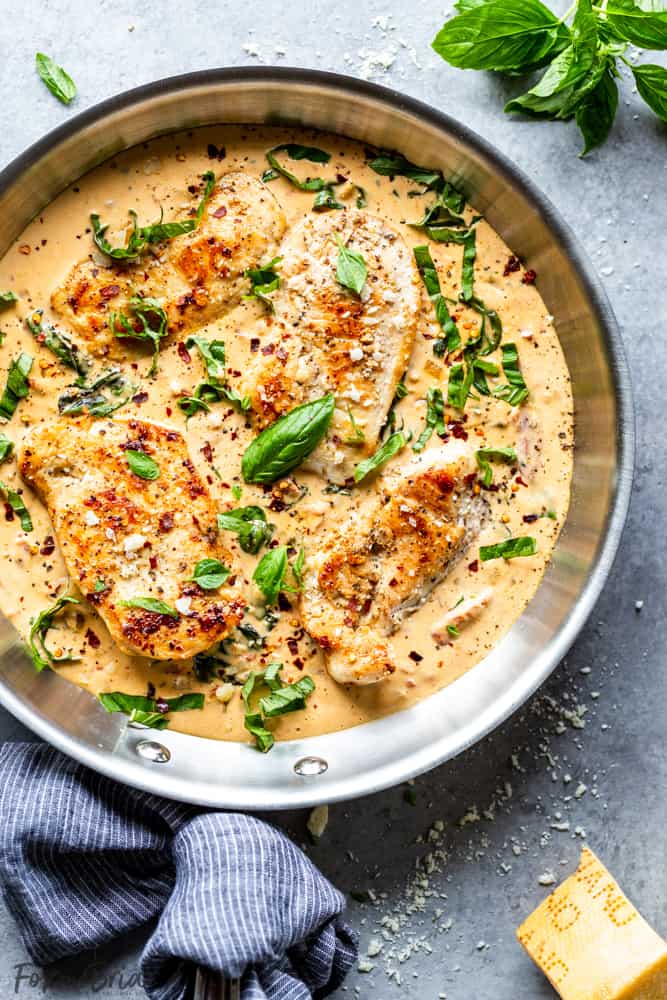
(17,504)
(263,280)
(215,389)
(209,574)
(40,654)
(251,526)
(90,396)
(284,444)
(153,604)
(429,275)
(271,573)
(146,320)
(141,237)
(435,418)
(151,712)
(17,386)
(58,342)
(387,450)
(282,698)
(142,465)
(351,270)
(580,80)
(510,548)
(484,457)
(56,79)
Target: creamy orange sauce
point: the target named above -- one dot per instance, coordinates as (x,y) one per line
(541,431)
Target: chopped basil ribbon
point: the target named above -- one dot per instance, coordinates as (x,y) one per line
(468,266)
(263,280)
(56,79)
(357,436)
(298,567)
(485,456)
(40,654)
(6,448)
(15,501)
(153,604)
(435,418)
(392,164)
(510,548)
(429,274)
(351,271)
(142,465)
(394,443)
(89,396)
(516,391)
(459,385)
(146,320)
(143,236)
(8,299)
(58,342)
(215,389)
(283,698)
(325,198)
(250,525)
(17,386)
(284,444)
(210,574)
(151,712)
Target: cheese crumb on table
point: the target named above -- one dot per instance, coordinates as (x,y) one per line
(591,942)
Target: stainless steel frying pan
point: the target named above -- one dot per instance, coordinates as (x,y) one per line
(381,753)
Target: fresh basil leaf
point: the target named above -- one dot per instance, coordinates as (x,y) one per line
(153,604)
(596,111)
(284,444)
(435,418)
(146,320)
(250,525)
(213,356)
(151,712)
(291,698)
(253,721)
(503,35)
(142,465)
(56,79)
(210,574)
(485,456)
(297,152)
(263,281)
(209,183)
(282,699)
(215,390)
(58,342)
(325,200)
(6,448)
(516,391)
(394,443)
(90,397)
(485,342)
(642,22)
(8,299)
(270,573)
(351,271)
(17,504)
(651,83)
(298,567)
(468,266)
(429,275)
(459,385)
(17,386)
(510,548)
(392,164)
(40,654)
(185,702)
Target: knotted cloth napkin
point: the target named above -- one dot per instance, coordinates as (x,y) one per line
(84,859)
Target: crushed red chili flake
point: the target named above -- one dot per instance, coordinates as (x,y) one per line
(168,410)
(161,706)
(414,655)
(183,352)
(459,431)
(529,278)
(152,562)
(9,513)
(109,291)
(254,344)
(220,212)
(268,349)
(473,566)
(140,397)
(207,451)
(293,646)
(513,264)
(48,546)
(530,518)
(520,481)
(166,522)
(93,640)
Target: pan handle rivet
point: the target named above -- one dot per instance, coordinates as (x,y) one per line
(153,751)
(307,767)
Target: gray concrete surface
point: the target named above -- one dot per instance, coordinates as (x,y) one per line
(505,813)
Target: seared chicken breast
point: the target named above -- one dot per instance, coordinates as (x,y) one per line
(124,537)
(196,278)
(324,338)
(384,561)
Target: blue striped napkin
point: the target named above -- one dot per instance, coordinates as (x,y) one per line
(84,860)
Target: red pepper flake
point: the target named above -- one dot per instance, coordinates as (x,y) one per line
(48,546)
(183,353)
(529,277)
(530,518)
(520,481)
(168,410)
(9,513)
(254,344)
(109,291)
(93,641)
(207,451)
(459,431)
(166,522)
(473,566)
(268,349)
(220,212)
(293,646)
(513,264)
(140,398)
(414,655)
(161,706)
(152,562)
